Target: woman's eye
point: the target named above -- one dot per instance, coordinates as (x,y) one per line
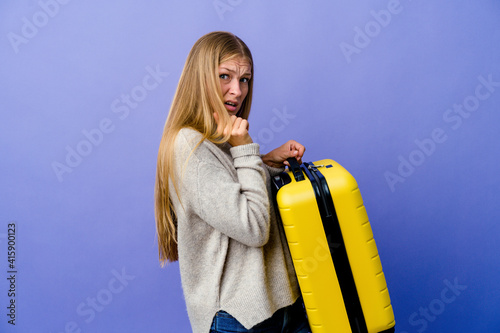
(245,80)
(224,76)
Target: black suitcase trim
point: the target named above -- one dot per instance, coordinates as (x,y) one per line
(337,248)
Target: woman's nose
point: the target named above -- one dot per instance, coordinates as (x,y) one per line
(234,88)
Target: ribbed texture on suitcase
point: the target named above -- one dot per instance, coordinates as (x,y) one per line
(311,254)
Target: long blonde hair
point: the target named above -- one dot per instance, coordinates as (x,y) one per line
(197,97)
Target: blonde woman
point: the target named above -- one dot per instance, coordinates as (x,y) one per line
(214,213)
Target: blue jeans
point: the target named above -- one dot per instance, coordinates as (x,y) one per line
(291,319)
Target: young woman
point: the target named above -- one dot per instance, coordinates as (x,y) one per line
(213,207)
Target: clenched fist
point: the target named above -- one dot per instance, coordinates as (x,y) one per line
(237,129)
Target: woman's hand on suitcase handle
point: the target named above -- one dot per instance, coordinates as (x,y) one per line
(278,157)
(238,129)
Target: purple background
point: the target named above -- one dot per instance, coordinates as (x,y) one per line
(371,85)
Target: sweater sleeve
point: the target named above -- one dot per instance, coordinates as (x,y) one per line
(274,171)
(237,206)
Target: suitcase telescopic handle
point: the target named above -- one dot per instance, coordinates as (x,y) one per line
(295,168)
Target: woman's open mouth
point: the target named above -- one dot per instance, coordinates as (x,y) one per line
(231,106)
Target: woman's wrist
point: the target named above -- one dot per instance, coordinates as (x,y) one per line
(270,161)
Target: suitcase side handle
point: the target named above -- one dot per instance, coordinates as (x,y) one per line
(295,168)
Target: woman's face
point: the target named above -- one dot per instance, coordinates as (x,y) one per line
(234,76)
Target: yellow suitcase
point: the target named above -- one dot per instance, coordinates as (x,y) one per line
(334,254)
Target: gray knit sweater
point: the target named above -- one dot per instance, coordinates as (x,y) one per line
(233,255)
